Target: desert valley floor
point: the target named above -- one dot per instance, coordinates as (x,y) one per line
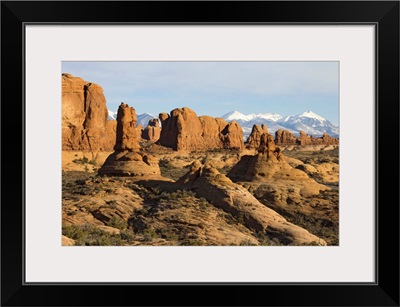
(174,209)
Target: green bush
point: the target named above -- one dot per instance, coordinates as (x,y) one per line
(89,235)
(149,234)
(118,223)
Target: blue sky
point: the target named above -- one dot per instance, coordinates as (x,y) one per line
(216,88)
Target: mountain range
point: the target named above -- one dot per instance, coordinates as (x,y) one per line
(142,119)
(309,122)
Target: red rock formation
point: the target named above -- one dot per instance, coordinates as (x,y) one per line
(327,140)
(109,136)
(184,130)
(233,136)
(127,160)
(153,130)
(304,139)
(284,137)
(211,131)
(253,141)
(84,116)
(235,199)
(127,138)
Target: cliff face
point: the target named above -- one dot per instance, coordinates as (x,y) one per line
(84,116)
(182,129)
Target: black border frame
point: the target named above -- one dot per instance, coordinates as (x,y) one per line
(383,14)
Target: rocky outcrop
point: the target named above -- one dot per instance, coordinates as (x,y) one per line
(269,166)
(182,129)
(285,137)
(232,136)
(127,163)
(152,131)
(127,136)
(221,192)
(211,129)
(253,141)
(327,140)
(127,160)
(305,139)
(84,116)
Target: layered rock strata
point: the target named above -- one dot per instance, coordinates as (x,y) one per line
(84,116)
(220,191)
(182,129)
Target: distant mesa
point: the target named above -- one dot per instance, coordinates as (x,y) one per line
(84,116)
(128,160)
(183,130)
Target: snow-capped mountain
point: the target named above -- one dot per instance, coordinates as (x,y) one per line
(112,115)
(248,121)
(143,119)
(235,115)
(309,122)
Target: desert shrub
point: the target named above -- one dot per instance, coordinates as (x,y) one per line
(323,228)
(117,222)
(192,242)
(169,234)
(127,235)
(203,205)
(84,160)
(89,235)
(149,234)
(246,242)
(240,217)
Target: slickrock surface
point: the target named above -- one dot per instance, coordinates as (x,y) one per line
(220,191)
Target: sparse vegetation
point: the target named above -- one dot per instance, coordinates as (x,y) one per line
(84,160)
(90,235)
(171,216)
